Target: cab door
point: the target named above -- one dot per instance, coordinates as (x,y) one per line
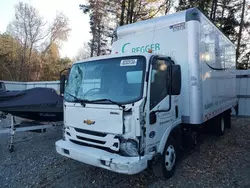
(160,105)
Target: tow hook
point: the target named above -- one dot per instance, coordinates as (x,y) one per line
(106,162)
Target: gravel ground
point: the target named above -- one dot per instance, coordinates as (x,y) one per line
(216,162)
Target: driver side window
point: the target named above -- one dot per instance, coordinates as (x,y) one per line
(159,82)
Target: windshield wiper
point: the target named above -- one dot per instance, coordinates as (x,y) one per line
(108,100)
(82,101)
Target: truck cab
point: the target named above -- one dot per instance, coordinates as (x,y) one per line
(119,111)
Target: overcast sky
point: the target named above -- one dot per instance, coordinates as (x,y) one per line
(79,22)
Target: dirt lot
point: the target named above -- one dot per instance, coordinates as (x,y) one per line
(217,162)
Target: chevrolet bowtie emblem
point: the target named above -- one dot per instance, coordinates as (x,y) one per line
(89,122)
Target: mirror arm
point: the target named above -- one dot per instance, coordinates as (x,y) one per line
(167,110)
(62,84)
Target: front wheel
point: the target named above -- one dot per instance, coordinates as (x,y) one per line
(165,167)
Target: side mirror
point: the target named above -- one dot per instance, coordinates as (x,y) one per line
(62,83)
(175,80)
(63,79)
(152,118)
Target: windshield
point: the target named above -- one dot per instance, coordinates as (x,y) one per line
(117,80)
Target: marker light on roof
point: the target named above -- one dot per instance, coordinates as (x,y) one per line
(150,51)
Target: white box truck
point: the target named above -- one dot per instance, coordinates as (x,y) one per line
(135,108)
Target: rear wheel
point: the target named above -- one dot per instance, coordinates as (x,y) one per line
(219,125)
(227,118)
(165,167)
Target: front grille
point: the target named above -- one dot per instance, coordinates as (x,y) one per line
(93,146)
(91,140)
(104,141)
(94,133)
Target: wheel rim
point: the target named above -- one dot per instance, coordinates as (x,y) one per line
(170,157)
(222,125)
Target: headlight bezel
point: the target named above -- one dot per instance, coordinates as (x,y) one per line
(129,147)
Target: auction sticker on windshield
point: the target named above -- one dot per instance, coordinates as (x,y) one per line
(128,62)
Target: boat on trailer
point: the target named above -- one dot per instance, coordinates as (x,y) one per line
(39,104)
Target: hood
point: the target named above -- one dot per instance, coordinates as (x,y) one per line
(106,120)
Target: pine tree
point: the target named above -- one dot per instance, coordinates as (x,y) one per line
(100,25)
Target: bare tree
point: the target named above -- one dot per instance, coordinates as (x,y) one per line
(35,37)
(123,6)
(82,53)
(240,30)
(8,55)
(27,27)
(57,32)
(169,4)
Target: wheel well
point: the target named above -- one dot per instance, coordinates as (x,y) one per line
(176,134)
(228,111)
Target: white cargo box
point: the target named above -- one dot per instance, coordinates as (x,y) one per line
(206,56)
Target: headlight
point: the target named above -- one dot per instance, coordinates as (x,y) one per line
(129,147)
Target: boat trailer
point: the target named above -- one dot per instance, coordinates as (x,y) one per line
(24,126)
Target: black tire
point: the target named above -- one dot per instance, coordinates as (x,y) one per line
(227,118)
(162,168)
(219,125)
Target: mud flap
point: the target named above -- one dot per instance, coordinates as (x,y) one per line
(236,108)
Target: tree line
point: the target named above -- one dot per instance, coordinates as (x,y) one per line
(231,16)
(29,49)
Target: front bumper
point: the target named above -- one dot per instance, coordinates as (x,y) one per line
(101,158)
